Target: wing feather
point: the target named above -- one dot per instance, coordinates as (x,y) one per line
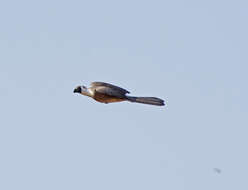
(110,87)
(108,91)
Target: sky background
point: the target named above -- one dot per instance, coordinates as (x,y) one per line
(191,53)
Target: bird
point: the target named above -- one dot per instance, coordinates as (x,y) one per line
(109,93)
(217,170)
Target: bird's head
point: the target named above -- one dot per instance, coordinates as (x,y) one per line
(80,89)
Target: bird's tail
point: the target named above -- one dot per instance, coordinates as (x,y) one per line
(146,100)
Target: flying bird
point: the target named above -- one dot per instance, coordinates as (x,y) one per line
(217,170)
(108,93)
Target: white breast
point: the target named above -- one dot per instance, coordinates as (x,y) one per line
(90,91)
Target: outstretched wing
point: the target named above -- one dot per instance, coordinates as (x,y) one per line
(109,88)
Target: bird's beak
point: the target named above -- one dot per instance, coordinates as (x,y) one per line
(77,90)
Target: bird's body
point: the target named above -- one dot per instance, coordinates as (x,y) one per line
(108,93)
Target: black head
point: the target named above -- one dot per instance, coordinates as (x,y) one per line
(77,90)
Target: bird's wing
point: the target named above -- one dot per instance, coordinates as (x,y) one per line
(109,86)
(108,91)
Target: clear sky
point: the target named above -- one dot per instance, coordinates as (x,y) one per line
(191,53)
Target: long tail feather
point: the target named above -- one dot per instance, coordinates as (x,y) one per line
(146,100)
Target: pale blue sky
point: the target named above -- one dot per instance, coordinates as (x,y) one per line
(191,53)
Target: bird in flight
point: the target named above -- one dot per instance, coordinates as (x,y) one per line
(108,93)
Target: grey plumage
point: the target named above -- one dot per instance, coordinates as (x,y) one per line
(146,100)
(108,93)
(111,86)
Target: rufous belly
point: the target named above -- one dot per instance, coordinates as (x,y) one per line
(107,99)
